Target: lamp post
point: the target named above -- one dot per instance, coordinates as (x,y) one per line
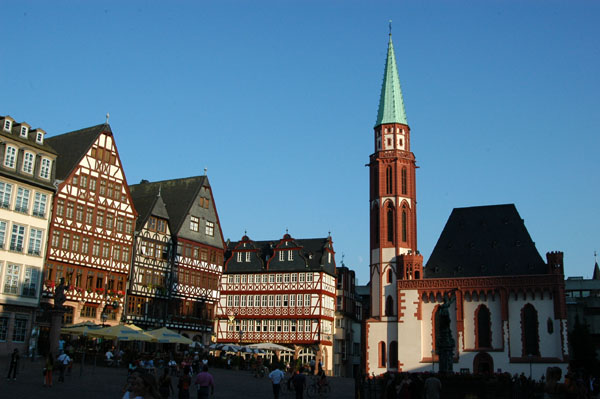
(530,356)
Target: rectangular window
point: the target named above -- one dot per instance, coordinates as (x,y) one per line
(66,238)
(88,312)
(128,226)
(119,224)
(30,282)
(10,156)
(286,325)
(250,301)
(92,184)
(83,182)
(102,190)
(194,223)
(99,218)
(28,163)
(109,221)
(271,278)
(243,300)
(70,208)
(5,193)
(85,245)
(307,300)
(39,204)
(20,330)
(35,242)
(281,256)
(292,300)
(290,255)
(257,300)
(125,255)
(11,279)
(279,278)
(264,301)
(236,300)
(299,300)
(3,328)
(89,215)
(309,277)
(271,325)
(301,277)
(293,325)
(278,324)
(75,246)
(22,200)
(278,300)
(105,250)
(285,300)
(79,213)
(17,238)
(45,168)
(96,248)
(210,228)
(271,301)
(239,257)
(286,278)
(247,256)
(229,300)
(3,225)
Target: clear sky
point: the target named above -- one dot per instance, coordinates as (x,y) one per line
(278,100)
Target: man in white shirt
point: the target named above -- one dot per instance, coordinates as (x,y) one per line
(109,357)
(63,362)
(276,376)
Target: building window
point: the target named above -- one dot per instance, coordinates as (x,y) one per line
(45,168)
(390,276)
(529,331)
(281,256)
(20,330)
(70,208)
(85,245)
(35,242)
(22,200)
(32,276)
(194,223)
(389,180)
(382,354)
(390,222)
(28,162)
(3,225)
(79,213)
(404,181)
(404,224)
(88,312)
(39,137)
(7,125)
(39,204)
(3,327)
(239,256)
(550,326)
(483,325)
(5,193)
(271,301)
(307,300)
(247,256)
(389,306)
(278,300)
(11,279)
(210,229)
(17,238)
(10,156)
(393,354)
(290,255)
(278,278)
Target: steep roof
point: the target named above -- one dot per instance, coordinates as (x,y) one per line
(484,241)
(596,275)
(310,255)
(391,103)
(72,146)
(148,203)
(177,194)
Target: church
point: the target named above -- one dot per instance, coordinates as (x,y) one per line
(506,303)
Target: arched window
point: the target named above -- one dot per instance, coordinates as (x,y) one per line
(404,181)
(483,324)
(404,224)
(382,354)
(375,180)
(390,222)
(390,276)
(550,326)
(529,331)
(393,354)
(389,180)
(417,275)
(375,223)
(389,306)
(435,328)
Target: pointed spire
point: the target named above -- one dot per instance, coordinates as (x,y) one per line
(391,104)
(596,275)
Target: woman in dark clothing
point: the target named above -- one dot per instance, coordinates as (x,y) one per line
(164,385)
(184,383)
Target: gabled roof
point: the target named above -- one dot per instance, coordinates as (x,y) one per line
(391,103)
(71,147)
(177,194)
(310,254)
(148,203)
(484,241)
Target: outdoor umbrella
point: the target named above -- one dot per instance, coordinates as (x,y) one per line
(164,335)
(121,332)
(230,348)
(269,346)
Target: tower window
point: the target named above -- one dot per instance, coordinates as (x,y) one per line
(389,306)
(390,223)
(389,180)
(382,354)
(390,276)
(404,227)
(404,181)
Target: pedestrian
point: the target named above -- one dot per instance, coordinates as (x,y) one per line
(48,366)
(184,383)
(145,387)
(204,383)
(299,381)
(276,376)
(63,362)
(312,366)
(13,365)
(164,385)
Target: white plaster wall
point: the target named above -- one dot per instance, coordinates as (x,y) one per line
(550,344)
(388,254)
(469,308)
(377,332)
(409,333)
(375,256)
(375,294)
(427,319)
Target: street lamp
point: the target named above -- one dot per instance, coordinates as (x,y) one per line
(530,356)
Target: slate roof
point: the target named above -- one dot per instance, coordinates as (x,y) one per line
(596,275)
(484,241)
(177,194)
(309,255)
(148,203)
(72,146)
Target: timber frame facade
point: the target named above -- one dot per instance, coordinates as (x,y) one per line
(91,230)
(195,257)
(280,291)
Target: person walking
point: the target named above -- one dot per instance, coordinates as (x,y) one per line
(276,377)
(164,384)
(204,383)
(48,366)
(184,383)
(14,365)
(433,387)
(63,362)
(299,381)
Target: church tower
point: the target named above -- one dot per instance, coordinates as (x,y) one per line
(393,205)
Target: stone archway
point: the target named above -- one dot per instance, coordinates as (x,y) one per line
(483,363)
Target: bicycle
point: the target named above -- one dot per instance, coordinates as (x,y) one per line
(317,390)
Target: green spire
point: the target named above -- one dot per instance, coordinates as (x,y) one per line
(391,104)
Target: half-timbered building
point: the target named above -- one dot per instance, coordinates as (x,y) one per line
(27,166)
(281,291)
(91,230)
(196,255)
(147,288)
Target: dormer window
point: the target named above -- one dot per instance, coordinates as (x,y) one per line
(39,138)
(7,125)
(24,131)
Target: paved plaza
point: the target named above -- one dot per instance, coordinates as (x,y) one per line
(107,383)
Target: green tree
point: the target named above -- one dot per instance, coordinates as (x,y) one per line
(583,352)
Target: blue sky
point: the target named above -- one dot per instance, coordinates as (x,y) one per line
(278,100)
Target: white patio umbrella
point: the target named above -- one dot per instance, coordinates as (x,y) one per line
(230,348)
(269,346)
